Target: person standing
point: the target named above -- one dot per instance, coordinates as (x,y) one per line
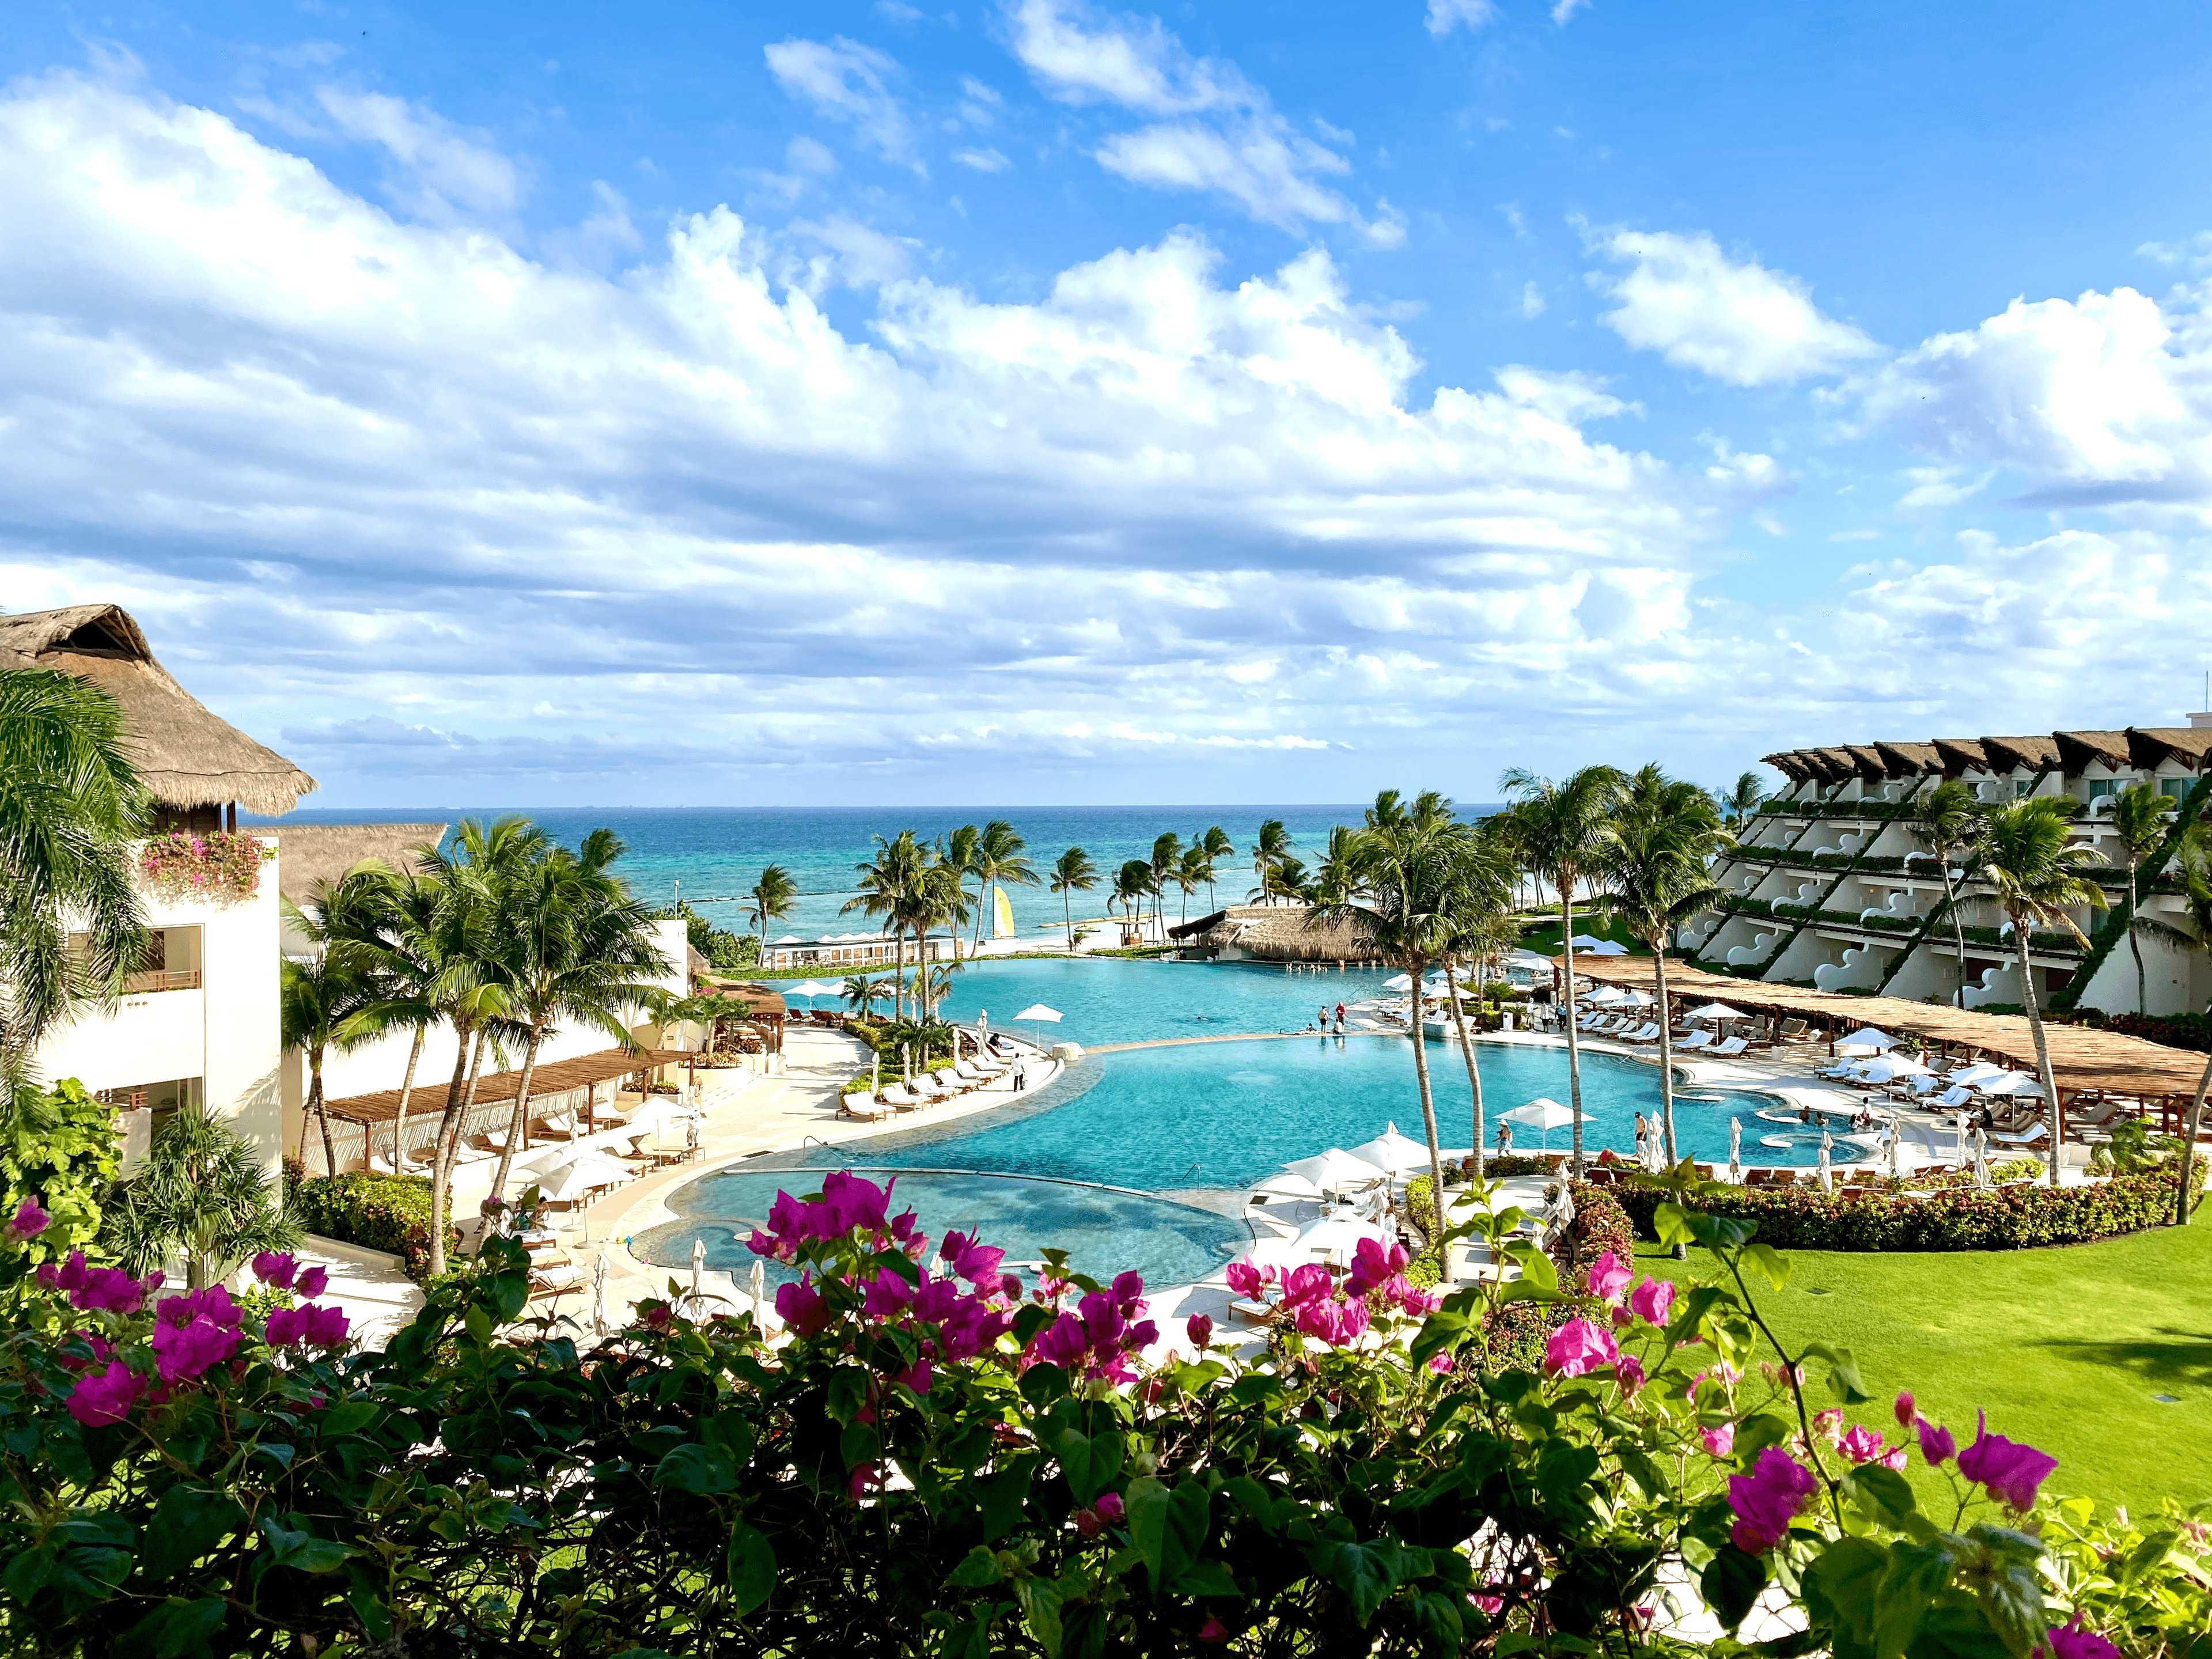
(1021,1075)
(1339,1017)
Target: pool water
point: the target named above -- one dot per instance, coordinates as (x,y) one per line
(1119,1000)
(1105,1232)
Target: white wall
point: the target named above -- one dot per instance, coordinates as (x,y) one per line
(227,1034)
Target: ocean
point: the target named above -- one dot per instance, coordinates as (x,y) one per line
(709,856)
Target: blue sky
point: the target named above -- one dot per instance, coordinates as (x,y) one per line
(851,404)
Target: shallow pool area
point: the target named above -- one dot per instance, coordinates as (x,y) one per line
(1125,1001)
(1105,1232)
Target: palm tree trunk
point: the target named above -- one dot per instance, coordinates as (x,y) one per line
(441,1154)
(521,1116)
(1958,929)
(399,1120)
(1417,968)
(2189,1127)
(1574,1042)
(2135,943)
(1466,1051)
(982,903)
(898,973)
(2020,932)
(1666,1049)
(308,1106)
(322,1117)
(1067,914)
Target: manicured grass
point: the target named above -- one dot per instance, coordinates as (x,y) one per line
(2066,1349)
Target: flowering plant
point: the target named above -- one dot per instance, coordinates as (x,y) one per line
(933,1457)
(218,867)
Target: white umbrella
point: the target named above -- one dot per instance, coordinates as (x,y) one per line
(1978,1072)
(1336,1168)
(1981,1158)
(1287,1185)
(1400,982)
(1639,1000)
(1736,1149)
(599,1295)
(1827,1174)
(758,1283)
(1605,996)
(1961,1148)
(1717,1011)
(1542,1113)
(1037,1011)
(1867,1039)
(1606,947)
(1885,1068)
(1392,1152)
(811,988)
(1563,1217)
(1589,941)
(1339,1237)
(2009,1083)
(698,1267)
(1895,1135)
(582,1174)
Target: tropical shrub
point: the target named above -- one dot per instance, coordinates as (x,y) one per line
(935,1459)
(219,867)
(377,1211)
(59,1147)
(1964,1217)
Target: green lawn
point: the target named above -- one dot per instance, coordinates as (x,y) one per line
(2066,1349)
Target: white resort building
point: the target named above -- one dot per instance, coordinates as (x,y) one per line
(1831,889)
(199,1025)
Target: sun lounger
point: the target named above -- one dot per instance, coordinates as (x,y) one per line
(1695,1040)
(1792,1030)
(945,1078)
(979,1074)
(2028,1138)
(1252,1312)
(1735,1045)
(555,1281)
(900,1098)
(863,1106)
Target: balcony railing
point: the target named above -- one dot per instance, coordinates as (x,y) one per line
(162,979)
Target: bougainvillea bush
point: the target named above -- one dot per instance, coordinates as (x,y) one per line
(219,866)
(937,1459)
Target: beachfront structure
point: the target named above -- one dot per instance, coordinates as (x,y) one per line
(1269,933)
(1830,887)
(198,1025)
(855,952)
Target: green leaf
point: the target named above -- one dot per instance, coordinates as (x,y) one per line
(1436,1619)
(1002,1497)
(848,1392)
(1169,1525)
(705,1470)
(1882,1494)
(1843,1371)
(751,1568)
(1259,1500)
(978,1570)
(176,1628)
(1730,1583)
(1206,1578)
(1770,1262)
(1917,1575)
(1366,1573)
(1088,1464)
(302,1549)
(1040,1599)
(1842,1586)
(187,1524)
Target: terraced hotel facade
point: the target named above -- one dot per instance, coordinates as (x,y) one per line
(1831,887)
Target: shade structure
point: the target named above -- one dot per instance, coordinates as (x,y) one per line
(582,1174)
(1337,1168)
(1866,1040)
(811,988)
(1886,1068)
(1399,982)
(2008,1083)
(1339,1236)
(1542,1113)
(1715,1012)
(1589,941)
(1393,1152)
(1640,1000)
(1285,1184)
(1038,1011)
(1606,947)
(1976,1074)
(1605,996)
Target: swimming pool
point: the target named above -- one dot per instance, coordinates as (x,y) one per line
(1118,1000)
(1226,1114)
(1105,1232)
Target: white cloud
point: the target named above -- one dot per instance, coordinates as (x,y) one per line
(1216,131)
(848,82)
(1942,486)
(1563,9)
(1532,301)
(1445,16)
(2104,400)
(984,160)
(1740,322)
(439,171)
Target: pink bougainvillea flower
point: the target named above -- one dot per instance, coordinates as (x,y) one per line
(312,1326)
(1247,1279)
(1579,1346)
(1903,1411)
(2006,1468)
(1311,1283)
(1767,1500)
(276,1267)
(312,1282)
(1374,1264)
(2070,1641)
(1652,1299)
(106,1396)
(801,1307)
(918,1376)
(1862,1445)
(1936,1445)
(1212,1631)
(1828,1424)
(1608,1277)
(1087,1523)
(1109,1507)
(1199,1329)
(194,1333)
(1719,1441)
(1062,1343)
(970,1259)
(863,1478)
(1491,1605)
(1441,1363)
(90,1288)
(28,1221)
(102,1350)
(886,1294)
(1628,1371)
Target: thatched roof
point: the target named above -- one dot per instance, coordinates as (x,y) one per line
(2069,751)
(1279,933)
(309,853)
(187,757)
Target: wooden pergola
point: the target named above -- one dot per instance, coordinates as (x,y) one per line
(552,1077)
(2083,1062)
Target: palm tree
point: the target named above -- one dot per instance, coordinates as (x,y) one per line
(1218,847)
(318,995)
(397,938)
(71,806)
(1000,862)
(1950,825)
(861,993)
(2192,874)
(1738,803)
(2142,816)
(1073,872)
(1656,863)
(1133,883)
(578,947)
(1479,913)
(1559,832)
(1193,871)
(1272,846)
(887,889)
(202,1190)
(1167,863)
(773,898)
(2034,874)
(1395,887)
(939,899)
(959,849)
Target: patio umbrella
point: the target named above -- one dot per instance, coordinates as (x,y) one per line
(1976,1073)
(1037,1011)
(1392,1152)
(1606,947)
(1336,1168)
(1541,1114)
(1337,1235)
(1717,1012)
(599,1295)
(1736,1149)
(580,1174)
(698,1267)
(1886,1068)
(1981,1157)
(1401,982)
(1961,1147)
(1287,1185)
(1563,1217)
(1638,1000)
(1866,1038)
(756,1282)
(2009,1083)
(1605,996)
(1895,1135)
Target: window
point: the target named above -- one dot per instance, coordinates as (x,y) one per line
(2176,789)
(171,962)
(2022,787)
(2100,787)
(164,1100)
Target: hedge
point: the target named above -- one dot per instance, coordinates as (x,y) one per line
(2013,1217)
(1516,1333)
(377,1211)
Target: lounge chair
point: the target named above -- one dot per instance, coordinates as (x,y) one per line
(2094,1117)
(863,1106)
(2037,1132)
(900,1098)
(1252,1312)
(945,1078)
(1695,1040)
(555,1281)
(1792,1030)
(1735,1045)
(981,1074)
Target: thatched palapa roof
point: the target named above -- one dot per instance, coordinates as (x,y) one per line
(311,852)
(187,755)
(1277,933)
